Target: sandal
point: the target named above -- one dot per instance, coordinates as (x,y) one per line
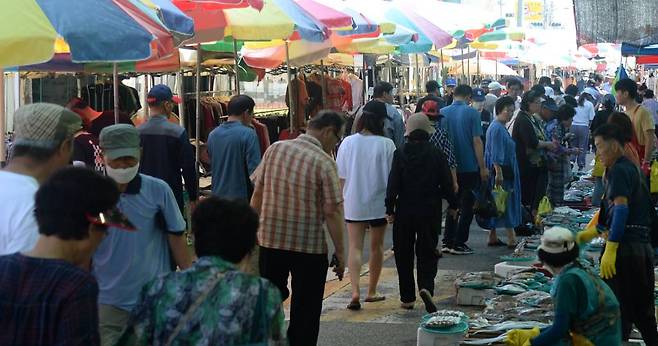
(375,299)
(407,306)
(497,243)
(354,306)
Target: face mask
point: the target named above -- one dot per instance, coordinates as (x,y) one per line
(122,175)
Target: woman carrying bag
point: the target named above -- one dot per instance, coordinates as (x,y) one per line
(500,158)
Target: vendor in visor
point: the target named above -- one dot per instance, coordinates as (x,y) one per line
(627,261)
(586,310)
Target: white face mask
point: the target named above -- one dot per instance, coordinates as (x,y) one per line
(122,175)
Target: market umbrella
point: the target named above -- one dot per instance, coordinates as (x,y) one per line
(123,30)
(488,67)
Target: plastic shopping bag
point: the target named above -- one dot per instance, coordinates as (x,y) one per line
(500,197)
(545,207)
(654,177)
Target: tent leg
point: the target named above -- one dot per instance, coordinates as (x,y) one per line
(324,83)
(417,76)
(181,93)
(291,97)
(478,63)
(496,68)
(237,67)
(115,81)
(3,122)
(198,109)
(468,66)
(463,71)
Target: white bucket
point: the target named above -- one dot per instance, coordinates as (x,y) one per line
(426,338)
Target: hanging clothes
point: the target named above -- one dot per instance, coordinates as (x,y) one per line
(297,88)
(100,97)
(263,135)
(335,94)
(357,90)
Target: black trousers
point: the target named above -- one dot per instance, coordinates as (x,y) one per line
(411,232)
(633,285)
(309,273)
(534,183)
(457,230)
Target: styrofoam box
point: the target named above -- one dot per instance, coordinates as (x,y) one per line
(474,297)
(506,269)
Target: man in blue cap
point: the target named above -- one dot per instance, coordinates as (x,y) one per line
(451,83)
(478,101)
(167,152)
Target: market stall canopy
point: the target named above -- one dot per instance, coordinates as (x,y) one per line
(628,49)
(122,30)
(487,67)
(617,21)
(61,62)
(269,55)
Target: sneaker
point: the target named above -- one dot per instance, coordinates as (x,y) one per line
(426,296)
(468,248)
(447,249)
(461,250)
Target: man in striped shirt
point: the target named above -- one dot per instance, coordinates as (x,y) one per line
(296,191)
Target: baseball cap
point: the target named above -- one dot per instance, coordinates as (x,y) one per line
(451,82)
(549,104)
(495,86)
(431,108)
(589,90)
(160,93)
(478,95)
(44,125)
(120,140)
(419,121)
(557,240)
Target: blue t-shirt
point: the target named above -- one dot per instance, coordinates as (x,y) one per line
(125,261)
(463,124)
(234,154)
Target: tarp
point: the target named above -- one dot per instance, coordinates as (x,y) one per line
(617,21)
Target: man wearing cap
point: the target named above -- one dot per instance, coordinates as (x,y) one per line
(166,150)
(440,137)
(478,101)
(465,129)
(495,89)
(47,296)
(125,261)
(234,151)
(451,83)
(93,120)
(432,88)
(418,181)
(43,144)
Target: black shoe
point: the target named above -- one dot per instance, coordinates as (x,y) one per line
(461,250)
(468,248)
(426,296)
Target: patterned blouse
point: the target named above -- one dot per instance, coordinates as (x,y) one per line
(240,310)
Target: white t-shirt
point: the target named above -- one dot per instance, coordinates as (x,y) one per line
(584,114)
(18,226)
(364,162)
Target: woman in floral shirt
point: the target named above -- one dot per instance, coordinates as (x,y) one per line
(213,302)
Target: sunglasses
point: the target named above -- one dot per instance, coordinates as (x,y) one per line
(111,218)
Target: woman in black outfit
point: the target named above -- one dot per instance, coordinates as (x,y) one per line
(420,178)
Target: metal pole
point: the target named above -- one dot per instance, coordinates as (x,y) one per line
(468,65)
(390,69)
(3,121)
(115,81)
(365,80)
(291,97)
(477,54)
(324,84)
(198,109)
(496,68)
(417,77)
(181,93)
(145,90)
(441,72)
(237,67)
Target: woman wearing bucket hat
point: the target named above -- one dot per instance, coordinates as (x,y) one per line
(586,310)
(420,178)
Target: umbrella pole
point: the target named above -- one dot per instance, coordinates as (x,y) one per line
(115,81)
(291,97)
(3,130)
(390,69)
(365,80)
(496,68)
(417,76)
(237,66)
(181,93)
(478,63)
(468,65)
(198,109)
(324,84)
(441,62)
(463,70)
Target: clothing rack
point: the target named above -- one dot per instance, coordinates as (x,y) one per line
(209,93)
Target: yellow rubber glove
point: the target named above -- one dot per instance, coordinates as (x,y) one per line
(590,231)
(579,340)
(609,260)
(521,337)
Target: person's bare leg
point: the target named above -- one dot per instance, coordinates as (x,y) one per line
(376,258)
(511,237)
(493,237)
(356,233)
